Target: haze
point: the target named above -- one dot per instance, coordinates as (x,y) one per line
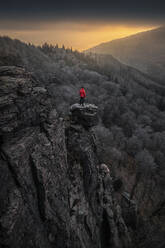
(78,24)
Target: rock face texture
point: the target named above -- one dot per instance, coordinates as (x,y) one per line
(54,193)
(34,209)
(146,217)
(95,217)
(85,115)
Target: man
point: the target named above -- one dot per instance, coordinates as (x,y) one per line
(82,96)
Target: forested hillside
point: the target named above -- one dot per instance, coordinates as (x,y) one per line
(144,51)
(131,105)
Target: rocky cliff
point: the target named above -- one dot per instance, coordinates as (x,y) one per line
(146,207)
(54,192)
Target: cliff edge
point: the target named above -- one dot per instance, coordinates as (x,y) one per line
(54,192)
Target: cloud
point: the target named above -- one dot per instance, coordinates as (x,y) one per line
(152,10)
(64,22)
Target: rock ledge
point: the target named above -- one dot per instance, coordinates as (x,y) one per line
(85,115)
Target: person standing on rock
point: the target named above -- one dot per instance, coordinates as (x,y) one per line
(82,96)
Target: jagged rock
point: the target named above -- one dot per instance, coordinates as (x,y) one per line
(10,71)
(34,210)
(19,107)
(94,217)
(129,210)
(39,90)
(85,115)
(104,169)
(53,192)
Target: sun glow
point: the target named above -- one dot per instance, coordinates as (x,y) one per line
(78,35)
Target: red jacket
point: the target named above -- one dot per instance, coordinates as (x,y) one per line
(82,93)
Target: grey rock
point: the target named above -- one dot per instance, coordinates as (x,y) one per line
(54,192)
(85,115)
(39,90)
(94,218)
(33,167)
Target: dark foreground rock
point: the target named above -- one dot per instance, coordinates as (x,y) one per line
(34,210)
(96,219)
(54,193)
(85,115)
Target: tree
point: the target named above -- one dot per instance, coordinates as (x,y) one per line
(134,145)
(145,166)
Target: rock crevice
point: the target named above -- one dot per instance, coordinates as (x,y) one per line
(54,192)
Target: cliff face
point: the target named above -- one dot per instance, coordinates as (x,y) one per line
(149,221)
(54,192)
(34,188)
(95,216)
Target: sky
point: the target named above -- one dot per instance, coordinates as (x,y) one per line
(78,24)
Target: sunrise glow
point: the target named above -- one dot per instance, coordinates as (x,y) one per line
(78,35)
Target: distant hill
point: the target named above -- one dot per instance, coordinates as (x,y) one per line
(144,51)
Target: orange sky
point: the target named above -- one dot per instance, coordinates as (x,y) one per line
(78,35)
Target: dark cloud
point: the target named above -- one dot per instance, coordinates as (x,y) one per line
(70,9)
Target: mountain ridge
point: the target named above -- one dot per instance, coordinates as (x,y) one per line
(125,37)
(144,51)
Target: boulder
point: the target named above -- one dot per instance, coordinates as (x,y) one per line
(85,115)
